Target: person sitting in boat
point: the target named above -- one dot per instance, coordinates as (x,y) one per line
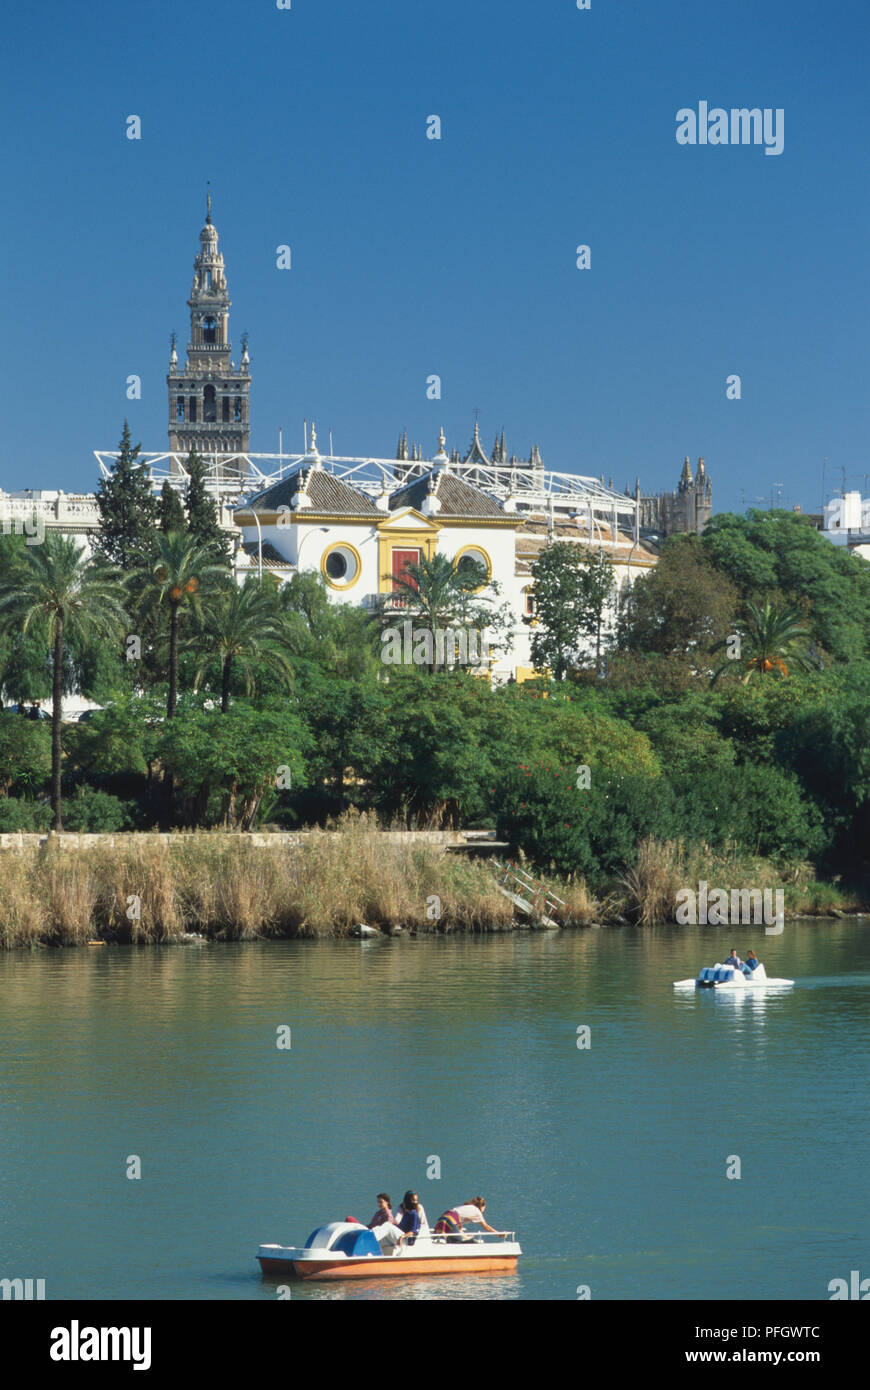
(751,961)
(411,1218)
(450,1223)
(733,960)
(383,1213)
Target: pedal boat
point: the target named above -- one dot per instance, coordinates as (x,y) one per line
(343,1250)
(729,978)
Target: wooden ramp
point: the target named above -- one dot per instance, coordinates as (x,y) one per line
(529,894)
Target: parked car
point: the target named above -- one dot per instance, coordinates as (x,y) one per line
(32,711)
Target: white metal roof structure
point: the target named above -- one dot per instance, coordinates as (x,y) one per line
(518,487)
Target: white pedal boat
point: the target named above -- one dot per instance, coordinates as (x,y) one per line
(727,977)
(343,1250)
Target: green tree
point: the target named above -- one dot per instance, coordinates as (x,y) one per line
(769,640)
(349,722)
(597,584)
(170,511)
(681,609)
(128,510)
(438,594)
(54,584)
(202,513)
(335,637)
(778,555)
(243,628)
(179,571)
(237,756)
(561,607)
(25,753)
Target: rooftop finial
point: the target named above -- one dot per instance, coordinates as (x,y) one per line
(208,203)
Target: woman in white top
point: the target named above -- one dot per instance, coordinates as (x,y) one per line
(451,1222)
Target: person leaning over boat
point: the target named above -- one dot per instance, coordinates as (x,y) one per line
(450,1223)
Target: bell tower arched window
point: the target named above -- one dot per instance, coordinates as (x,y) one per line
(237,409)
(209,329)
(179,408)
(225,410)
(209,404)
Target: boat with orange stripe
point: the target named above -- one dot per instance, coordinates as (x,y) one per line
(345,1250)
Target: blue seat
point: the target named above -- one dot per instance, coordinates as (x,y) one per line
(361,1242)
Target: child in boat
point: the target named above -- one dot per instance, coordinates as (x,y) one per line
(450,1222)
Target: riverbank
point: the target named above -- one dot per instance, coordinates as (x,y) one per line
(153,889)
(323,883)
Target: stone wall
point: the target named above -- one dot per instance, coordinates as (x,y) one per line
(278,839)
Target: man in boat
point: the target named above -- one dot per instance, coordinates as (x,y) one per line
(733,960)
(450,1223)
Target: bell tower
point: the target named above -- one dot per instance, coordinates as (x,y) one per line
(209,397)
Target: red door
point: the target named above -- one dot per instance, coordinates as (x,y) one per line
(401,559)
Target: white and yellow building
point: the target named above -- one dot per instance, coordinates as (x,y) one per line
(359,523)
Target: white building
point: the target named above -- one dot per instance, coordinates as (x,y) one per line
(359,526)
(847,522)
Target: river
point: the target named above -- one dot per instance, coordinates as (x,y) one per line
(609,1161)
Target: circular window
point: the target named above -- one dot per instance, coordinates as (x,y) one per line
(341,566)
(472,558)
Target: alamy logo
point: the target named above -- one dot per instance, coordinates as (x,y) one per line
(33,527)
(448,646)
(856,1288)
(76,1343)
(22,1288)
(740,126)
(719,908)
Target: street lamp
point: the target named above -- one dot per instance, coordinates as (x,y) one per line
(324,529)
(259,544)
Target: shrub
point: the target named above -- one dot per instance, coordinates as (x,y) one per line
(592,832)
(18,814)
(94,811)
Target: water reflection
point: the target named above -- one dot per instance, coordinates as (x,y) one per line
(447,1286)
(463,1048)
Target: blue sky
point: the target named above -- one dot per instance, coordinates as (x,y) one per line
(454,257)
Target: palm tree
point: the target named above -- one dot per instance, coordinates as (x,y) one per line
(178,570)
(439,592)
(769,638)
(74,596)
(244,627)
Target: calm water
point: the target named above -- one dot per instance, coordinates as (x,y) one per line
(610,1163)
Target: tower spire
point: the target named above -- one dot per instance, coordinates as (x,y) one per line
(208,394)
(208,203)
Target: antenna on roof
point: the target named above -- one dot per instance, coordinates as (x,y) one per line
(330,444)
